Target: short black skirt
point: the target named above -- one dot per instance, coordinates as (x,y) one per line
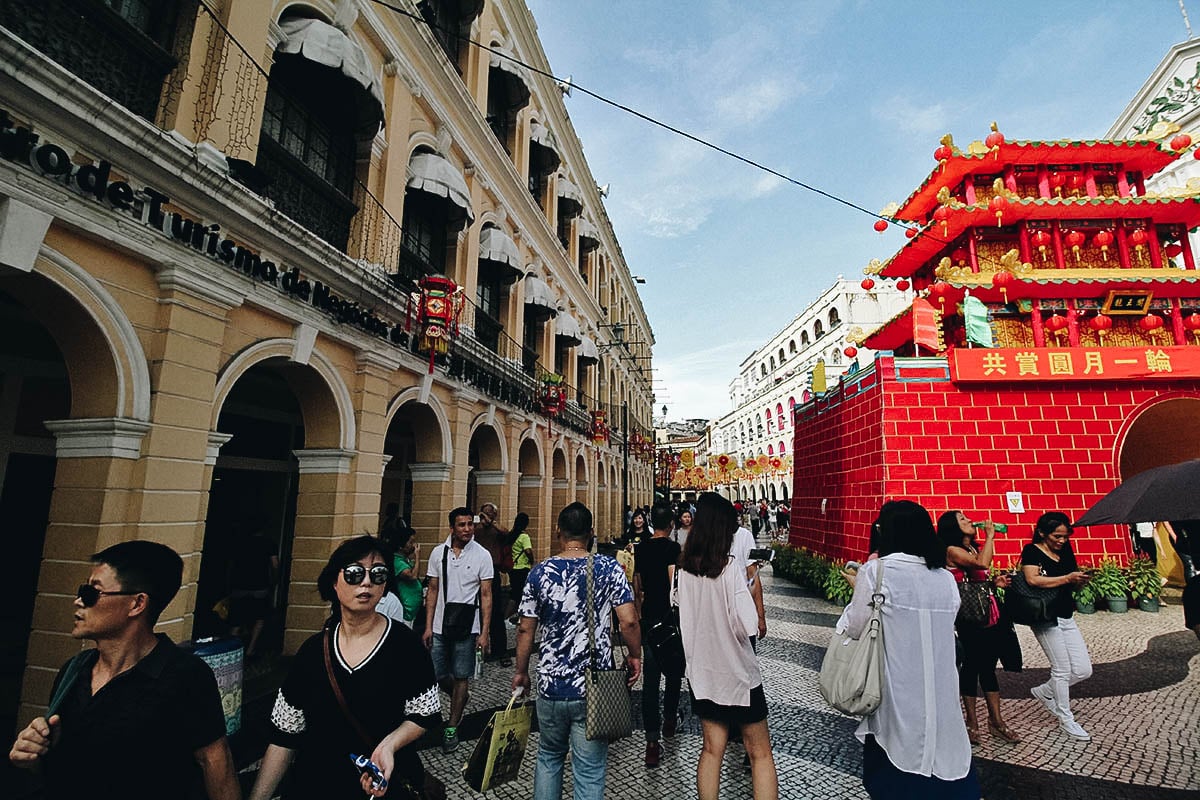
(733,715)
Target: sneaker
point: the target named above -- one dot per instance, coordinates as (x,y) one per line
(1074,730)
(653,754)
(1043,693)
(668,727)
(450,740)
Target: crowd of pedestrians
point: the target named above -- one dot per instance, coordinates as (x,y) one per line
(692,615)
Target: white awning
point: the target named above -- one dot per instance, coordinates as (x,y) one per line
(587,351)
(539,294)
(567,329)
(324,44)
(570,199)
(543,151)
(518,83)
(495,245)
(429,172)
(589,237)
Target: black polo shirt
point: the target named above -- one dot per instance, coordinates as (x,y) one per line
(136,737)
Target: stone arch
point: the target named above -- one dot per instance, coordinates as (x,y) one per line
(328,416)
(125,374)
(432,445)
(421,139)
(530,459)
(495,455)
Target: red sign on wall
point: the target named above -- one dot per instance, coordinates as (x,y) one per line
(1077,363)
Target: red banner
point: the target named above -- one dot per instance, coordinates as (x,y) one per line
(926,330)
(1074,364)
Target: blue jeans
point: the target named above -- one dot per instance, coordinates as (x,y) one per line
(562,724)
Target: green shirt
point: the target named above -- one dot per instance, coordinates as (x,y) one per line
(407,589)
(521,559)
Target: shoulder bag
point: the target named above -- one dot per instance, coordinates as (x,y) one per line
(458,619)
(851,678)
(609,704)
(433,788)
(1030,605)
(666,640)
(977,604)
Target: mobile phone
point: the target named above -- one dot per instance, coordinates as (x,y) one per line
(762,554)
(368,767)
(853,565)
(476,519)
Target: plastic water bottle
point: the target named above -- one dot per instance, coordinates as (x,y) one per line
(478,662)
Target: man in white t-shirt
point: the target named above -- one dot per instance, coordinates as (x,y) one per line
(459,571)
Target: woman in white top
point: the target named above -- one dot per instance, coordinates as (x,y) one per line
(717,618)
(915,744)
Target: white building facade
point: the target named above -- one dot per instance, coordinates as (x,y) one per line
(772,380)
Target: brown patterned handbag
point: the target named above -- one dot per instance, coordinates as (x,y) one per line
(609,704)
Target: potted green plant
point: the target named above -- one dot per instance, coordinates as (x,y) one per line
(1145,584)
(1085,597)
(1110,584)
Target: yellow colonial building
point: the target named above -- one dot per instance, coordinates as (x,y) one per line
(216,220)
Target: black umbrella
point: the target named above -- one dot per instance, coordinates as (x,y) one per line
(1163,493)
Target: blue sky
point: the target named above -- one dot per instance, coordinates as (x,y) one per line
(848,96)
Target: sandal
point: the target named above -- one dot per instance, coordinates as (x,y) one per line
(1004,732)
(972,735)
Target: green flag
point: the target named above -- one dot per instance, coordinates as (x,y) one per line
(976,315)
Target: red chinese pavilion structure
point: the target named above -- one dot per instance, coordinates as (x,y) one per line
(1081,293)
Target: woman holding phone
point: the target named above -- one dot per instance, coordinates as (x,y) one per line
(1049,562)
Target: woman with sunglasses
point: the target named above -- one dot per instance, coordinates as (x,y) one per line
(1049,563)
(364,685)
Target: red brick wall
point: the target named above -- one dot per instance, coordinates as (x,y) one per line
(913,434)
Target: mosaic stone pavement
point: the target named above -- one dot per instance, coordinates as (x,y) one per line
(1141,707)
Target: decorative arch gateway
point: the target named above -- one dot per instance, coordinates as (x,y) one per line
(80,385)
(282,426)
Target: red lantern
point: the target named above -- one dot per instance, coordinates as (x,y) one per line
(554,396)
(912,232)
(881,225)
(1138,238)
(1150,323)
(439,304)
(1057,325)
(902,285)
(940,291)
(943,153)
(1181,142)
(994,140)
(1101,324)
(1192,323)
(1196,154)
(867,284)
(851,352)
(1075,182)
(1057,179)
(1002,280)
(1041,240)
(1075,240)
(599,427)
(998,205)
(1102,240)
(942,214)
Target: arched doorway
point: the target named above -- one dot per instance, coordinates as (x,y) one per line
(1166,432)
(529,494)
(581,481)
(413,437)
(253,493)
(561,495)
(485,481)
(34,388)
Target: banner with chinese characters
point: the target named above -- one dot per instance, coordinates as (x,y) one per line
(1077,363)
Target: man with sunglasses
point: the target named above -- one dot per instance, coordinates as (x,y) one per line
(460,574)
(136,716)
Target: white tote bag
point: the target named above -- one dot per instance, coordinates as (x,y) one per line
(851,677)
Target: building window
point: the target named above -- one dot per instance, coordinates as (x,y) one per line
(804,340)
(792,347)
(488,296)
(448,21)
(124,48)
(818,330)
(834,318)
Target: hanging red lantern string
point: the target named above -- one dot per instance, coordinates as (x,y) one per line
(943,154)
(998,205)
(910,233)
(1075,241)
(851,352)
(881,225)
(1058,325)
(902,285)
(1002,280)
(1181,142)
(940,291)
(867,284)
(1041,240)
(1138,238)
(1057,179)
(1150,323)
(1101,324)
(1075,182)
(1102,240)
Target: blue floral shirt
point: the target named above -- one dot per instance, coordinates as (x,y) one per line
(555,594)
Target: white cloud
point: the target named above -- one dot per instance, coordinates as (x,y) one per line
(916,120)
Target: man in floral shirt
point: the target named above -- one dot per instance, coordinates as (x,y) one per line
(555,597)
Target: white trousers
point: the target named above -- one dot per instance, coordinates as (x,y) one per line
(1069,661)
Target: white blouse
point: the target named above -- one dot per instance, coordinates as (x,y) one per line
(918,723)
(716,619)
